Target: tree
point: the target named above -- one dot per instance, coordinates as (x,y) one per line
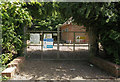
(44,14)
(14,19)
(100,18)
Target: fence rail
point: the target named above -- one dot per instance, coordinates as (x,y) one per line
(55,32)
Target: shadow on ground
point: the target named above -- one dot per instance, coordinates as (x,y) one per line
(62,65)
(60,70)
(58,55)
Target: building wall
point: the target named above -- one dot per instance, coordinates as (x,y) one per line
(67,33)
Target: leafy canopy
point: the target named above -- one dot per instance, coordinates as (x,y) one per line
(102,17)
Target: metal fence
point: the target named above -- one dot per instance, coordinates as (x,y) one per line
(62,42)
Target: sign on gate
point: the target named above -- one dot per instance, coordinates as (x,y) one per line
(47,36)
(44,43)
(48,41)
(35,38)
(80,38)
(77,38)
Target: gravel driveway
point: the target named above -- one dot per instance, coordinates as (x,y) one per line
(59,70)
(36,69)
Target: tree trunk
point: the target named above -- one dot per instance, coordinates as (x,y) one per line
(93,45)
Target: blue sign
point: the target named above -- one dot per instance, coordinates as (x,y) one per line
(49,40)
(49,46)
(48,43)
(44,39)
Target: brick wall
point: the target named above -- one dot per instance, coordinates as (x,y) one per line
(106,65)
(67,35)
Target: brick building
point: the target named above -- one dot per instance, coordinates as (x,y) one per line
(68,31)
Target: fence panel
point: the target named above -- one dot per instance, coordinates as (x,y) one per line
(65,45)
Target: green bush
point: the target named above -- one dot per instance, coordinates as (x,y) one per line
(103,18)
(14,19)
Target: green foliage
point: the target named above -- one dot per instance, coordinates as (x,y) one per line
(114,35)
(48,23)
(39,10)
(5,57)
(14,19)
(16,16)
(45,15)
(104,17)
(4,78)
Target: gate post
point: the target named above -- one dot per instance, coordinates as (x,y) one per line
(42,41)
(58,41)
(42,44)
(74,42)
(25,42)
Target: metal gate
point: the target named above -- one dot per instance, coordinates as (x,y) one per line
(66,45)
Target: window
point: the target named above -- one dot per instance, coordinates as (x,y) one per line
(66,29)
(62,30)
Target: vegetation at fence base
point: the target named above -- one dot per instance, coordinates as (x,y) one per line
(101,17)
(4,78)
(14,19)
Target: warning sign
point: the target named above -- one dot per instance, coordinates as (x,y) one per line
(80,38)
